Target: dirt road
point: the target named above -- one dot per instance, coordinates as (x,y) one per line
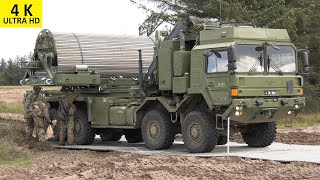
(50,163)
(59,164)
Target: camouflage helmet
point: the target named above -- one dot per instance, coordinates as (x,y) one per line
(37,88)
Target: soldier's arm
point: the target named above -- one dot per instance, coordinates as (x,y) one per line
(46,107)
(75,93)
(28,103)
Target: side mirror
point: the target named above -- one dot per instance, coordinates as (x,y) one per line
(305,61)
(232,59)
(207,54)
(210,52)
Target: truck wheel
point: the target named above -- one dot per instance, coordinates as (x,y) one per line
(260,135)
(222,140)
(157,130)
(53,114)
(110,135)
(83,133)
(133,135)
(199,132)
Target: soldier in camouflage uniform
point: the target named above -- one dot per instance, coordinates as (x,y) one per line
(40,116)
(30,99)
(66,114)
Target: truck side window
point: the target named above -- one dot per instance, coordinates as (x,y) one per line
(216,64)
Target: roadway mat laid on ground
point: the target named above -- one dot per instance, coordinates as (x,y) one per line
(276,151)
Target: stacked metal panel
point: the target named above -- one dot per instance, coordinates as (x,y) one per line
(111,55)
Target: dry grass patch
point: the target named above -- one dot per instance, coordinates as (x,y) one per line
(302,120)
(7,107)
(11,98)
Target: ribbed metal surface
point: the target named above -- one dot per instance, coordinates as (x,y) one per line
(106,54)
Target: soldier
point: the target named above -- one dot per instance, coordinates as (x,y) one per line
(66,114)
(40,114)
(30,99)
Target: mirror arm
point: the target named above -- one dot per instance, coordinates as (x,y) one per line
(232,59)
(305,61)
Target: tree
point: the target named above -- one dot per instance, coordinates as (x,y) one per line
(13,72)
(3,65)
(2,70)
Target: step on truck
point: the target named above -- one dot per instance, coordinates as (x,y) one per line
(189,81)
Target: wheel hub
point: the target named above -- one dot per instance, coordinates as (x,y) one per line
(195,133)
(154,130)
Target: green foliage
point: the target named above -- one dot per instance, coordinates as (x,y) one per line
(2,79)
(11,72)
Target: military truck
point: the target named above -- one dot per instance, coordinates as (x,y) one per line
(190,82)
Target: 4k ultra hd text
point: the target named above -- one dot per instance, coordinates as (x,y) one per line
(20,13)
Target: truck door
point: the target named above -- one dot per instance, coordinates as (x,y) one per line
(217,79)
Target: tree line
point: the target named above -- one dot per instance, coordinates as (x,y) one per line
(11,72)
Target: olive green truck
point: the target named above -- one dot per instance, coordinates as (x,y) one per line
(190,82)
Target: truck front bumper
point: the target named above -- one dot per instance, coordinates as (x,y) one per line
(257,110)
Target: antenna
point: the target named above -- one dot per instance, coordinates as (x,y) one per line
(220,13)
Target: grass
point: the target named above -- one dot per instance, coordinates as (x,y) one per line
(11,107)
(302,120)
(10,151)
(11,98)
(20,161)
(11,135)
(12,132)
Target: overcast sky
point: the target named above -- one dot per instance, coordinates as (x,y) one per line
(76,16)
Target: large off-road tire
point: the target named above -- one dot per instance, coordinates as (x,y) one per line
(260,135)
(83,133)
(222,140)
(157,130)
(110,135)
(53,113)
(199,132)
(133,135)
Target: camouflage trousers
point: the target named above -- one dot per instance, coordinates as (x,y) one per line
(35,122)
(67,125)
(30,126)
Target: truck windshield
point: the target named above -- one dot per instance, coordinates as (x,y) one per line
(283,58)
(250,58)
